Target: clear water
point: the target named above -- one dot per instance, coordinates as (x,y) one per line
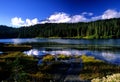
(105,49)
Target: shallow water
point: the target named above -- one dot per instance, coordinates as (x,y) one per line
(105,49)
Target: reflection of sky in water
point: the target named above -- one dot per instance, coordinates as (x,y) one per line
(65,41)
(113,57)
(18,41)
(110,57)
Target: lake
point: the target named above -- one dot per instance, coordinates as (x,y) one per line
(104,49)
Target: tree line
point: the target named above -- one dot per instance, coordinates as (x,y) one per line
(100,29)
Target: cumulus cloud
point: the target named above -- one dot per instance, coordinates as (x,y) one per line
(108,14)
(64,18)
(59,18)
(78,18)
(17,21)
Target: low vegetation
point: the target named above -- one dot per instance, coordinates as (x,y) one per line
(108,78)
(19,67)
(48,58)
(93,68)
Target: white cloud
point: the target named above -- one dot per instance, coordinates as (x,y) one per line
(95,18)
(78,18)
(34,21)
(87,13)
(108,14)
(17,21)
(29,22)
(64,18)
(59,18)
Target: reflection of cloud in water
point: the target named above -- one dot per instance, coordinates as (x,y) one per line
(65,52)
(104,55)
(18,41)
(108,56)
(112,57)
(35,52)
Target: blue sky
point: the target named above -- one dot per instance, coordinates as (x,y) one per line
(30,12)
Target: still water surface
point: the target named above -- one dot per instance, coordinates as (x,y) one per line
(105,49)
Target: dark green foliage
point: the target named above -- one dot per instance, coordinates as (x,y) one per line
(92,30)
(8,32)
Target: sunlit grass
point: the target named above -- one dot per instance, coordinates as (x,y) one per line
(93,68)
(48,58)
(88,59)
(13,55)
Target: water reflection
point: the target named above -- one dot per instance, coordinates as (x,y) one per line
(105,49)
(64,41)
(111,57)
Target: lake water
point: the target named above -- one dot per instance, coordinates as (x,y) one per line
(105,49)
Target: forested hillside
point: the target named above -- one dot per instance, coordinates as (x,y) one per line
(97,29)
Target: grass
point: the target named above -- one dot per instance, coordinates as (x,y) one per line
(16,63)
(27,68)
(93,68)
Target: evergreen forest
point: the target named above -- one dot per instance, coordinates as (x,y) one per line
(101,29)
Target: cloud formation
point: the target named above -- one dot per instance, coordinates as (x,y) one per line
(62,17)
(17,21)
(59,18)
(78,18)
(108,14)
(87,13)
(66,18)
